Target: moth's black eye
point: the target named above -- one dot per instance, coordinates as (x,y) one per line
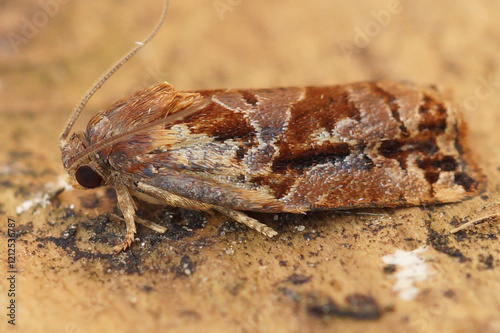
(87,177)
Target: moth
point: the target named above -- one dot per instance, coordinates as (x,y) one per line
(295,150)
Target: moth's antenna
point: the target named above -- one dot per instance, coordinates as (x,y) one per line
(79,107)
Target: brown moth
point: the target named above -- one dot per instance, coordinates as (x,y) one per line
(368,144)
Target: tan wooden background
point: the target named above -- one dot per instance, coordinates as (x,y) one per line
(324,273)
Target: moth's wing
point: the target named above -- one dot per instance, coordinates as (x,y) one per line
(197,187)
(352,146)
(375,145)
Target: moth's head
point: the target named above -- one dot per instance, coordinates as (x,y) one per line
(83,171)
(79,160)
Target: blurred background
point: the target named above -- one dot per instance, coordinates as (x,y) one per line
(51,51)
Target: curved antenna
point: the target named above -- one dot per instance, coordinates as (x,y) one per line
(79,107)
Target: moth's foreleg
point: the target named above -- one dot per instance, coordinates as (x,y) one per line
(127,206)
(247,220)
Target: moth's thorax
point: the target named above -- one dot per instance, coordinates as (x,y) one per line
(140,109)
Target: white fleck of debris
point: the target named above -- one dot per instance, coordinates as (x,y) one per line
(139,43)
(300,228)
(410,269)
(43,199)
(39,200)
(187,271)
(72,206)
(230,251)
(59,185)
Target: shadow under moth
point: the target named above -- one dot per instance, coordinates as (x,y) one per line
(368,144)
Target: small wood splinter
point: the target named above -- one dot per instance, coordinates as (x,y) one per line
(481,220)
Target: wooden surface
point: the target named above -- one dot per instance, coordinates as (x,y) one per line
(325,271)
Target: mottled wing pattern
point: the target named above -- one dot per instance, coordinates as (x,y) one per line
(368,144)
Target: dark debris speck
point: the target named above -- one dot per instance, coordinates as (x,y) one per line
(231,227)
(309,236)
(294,296)
(389,269)
(283,263)
(298,279)
(449,294)
(147,288)
(441,243)
(357,306)
(186,267)
(487,261)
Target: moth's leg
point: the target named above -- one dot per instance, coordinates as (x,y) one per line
(127,206)
(247,220)
(178,201)
(151,225)
(157,195)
